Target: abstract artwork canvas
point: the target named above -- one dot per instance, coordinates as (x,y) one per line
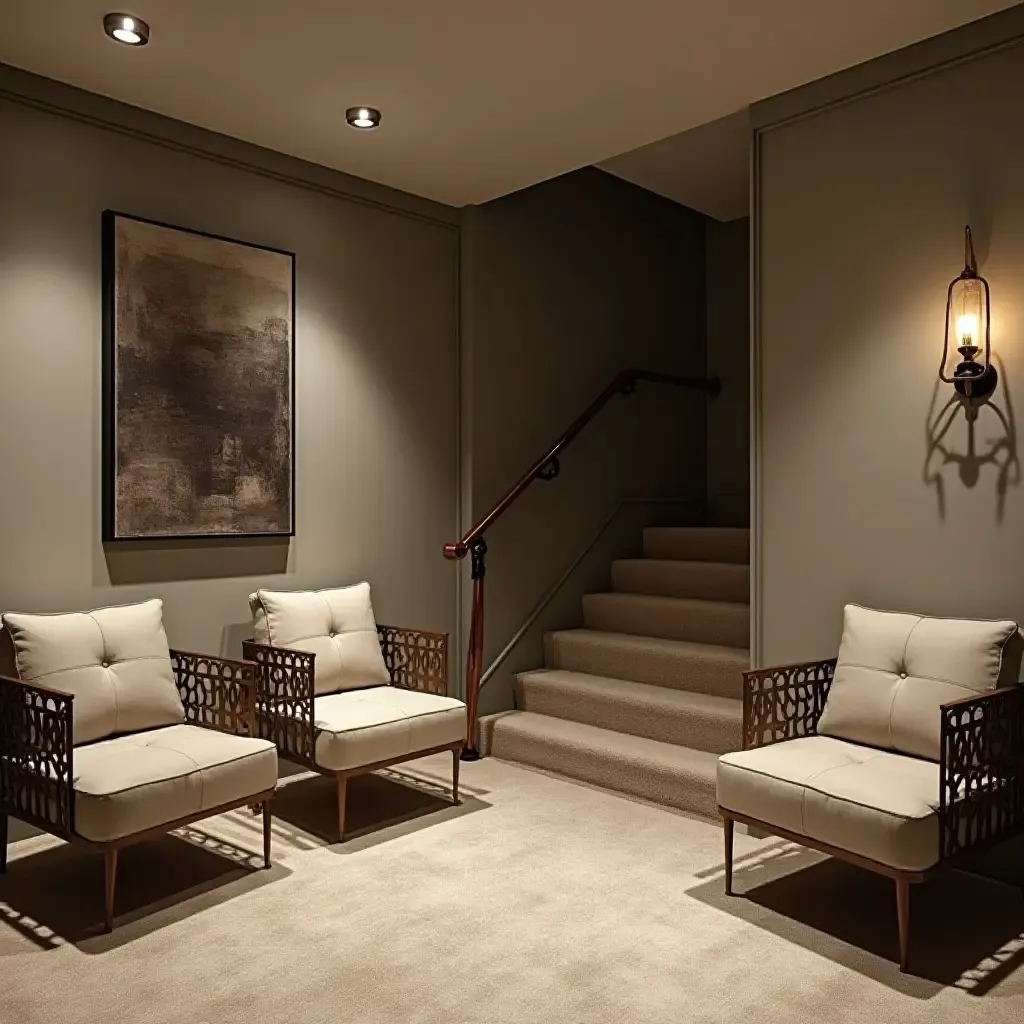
(198,384)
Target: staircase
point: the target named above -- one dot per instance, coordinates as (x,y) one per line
(644,697)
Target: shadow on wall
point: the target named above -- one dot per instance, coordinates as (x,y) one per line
(168,561)
(985,435)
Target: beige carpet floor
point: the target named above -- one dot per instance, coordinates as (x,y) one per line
(538,900)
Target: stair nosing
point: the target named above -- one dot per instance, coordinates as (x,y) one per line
(701,529)
(647,693)
(691,646)
(660,751)
(629,596)
(703,563)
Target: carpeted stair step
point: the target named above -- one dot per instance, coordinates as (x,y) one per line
(694,720)
(723,623)
(674,663)
(660,772)
(710,581)
(698,543)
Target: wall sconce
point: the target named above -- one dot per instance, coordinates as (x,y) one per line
(967,330)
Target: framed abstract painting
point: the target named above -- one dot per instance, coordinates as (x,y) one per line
(198,384)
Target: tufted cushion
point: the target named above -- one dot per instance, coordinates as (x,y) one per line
(895,671)
(335,625)
(874,803)
(113,660)
(132,783)
(358,728)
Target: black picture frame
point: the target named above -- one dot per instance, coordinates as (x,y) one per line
(112,529)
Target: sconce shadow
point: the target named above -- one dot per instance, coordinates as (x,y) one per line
(168,561)
(946,447)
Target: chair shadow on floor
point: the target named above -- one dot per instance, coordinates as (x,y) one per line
(380,805)
(966,930)
(54,896)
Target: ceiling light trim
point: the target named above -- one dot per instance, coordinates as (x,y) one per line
(363,118)
(126,29)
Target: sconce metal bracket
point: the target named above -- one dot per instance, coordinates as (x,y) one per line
(974,385)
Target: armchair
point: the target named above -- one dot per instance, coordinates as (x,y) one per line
(904,755)
(127,739)
(341,695)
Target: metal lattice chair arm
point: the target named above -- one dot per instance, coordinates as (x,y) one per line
(981,772)
(36,755)
(784,702)
(284,699)
(415,658)
(217,693)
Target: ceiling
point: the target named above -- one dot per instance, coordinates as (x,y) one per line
(706,168)
(478,98)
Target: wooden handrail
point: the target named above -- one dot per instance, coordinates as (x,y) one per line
(545,468)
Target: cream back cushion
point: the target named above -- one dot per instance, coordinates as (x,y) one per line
(335,625)
(114,661)
(895,671)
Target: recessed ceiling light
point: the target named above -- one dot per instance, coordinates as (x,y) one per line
(127,29)
(363,117)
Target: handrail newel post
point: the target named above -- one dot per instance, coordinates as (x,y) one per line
(474,662)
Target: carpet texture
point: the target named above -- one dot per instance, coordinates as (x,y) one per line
(660,713)
(698,543)
(643,698)
(719,623)
(539,901)
(714,581)
(645,659)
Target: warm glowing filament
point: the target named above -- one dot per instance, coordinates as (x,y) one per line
(967,328)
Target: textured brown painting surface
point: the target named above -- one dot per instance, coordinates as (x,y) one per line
(202,385)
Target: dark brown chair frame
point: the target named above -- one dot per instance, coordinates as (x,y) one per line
(37,754)
(981,770)
(415,660)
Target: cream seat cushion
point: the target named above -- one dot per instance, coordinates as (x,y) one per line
(132,783)
(895,671)
(114,661)
(875,803)
(337,626)
(361,727)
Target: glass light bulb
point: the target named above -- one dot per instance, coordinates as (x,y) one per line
(966,328)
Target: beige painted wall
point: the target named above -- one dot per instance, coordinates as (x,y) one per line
(565,284)
(728,341)
(376,368)
(859,218)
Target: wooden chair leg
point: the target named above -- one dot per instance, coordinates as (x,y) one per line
(4,818)
(110,880)
(729,829)
(455,775)
(266,833)
(342,793)
(903,915)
